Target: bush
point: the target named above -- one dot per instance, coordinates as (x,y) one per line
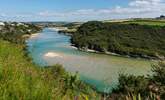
(133,84)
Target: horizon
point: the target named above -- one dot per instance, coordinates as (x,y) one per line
(80,11)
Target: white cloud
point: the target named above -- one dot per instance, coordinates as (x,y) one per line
(135,8)
(142,3)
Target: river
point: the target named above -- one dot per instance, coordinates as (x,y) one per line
(99,70)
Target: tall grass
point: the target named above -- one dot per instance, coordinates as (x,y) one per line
(20,79)
(132,96)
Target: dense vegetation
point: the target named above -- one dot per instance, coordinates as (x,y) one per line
(142,88)
(14,32)
(20,79)
(71,28)
(125,39)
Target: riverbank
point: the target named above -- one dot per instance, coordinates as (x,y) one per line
(36,80)
(111,53)
(142,41)
(56,48)
(68,31)
(119,55)
(34,35)
(107,53)
(54,55)
(21,78)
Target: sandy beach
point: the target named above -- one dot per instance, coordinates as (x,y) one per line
(34,35)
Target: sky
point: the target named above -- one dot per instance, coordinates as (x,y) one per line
(79,10)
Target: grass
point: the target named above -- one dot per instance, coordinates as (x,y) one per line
(152,22)
(20,79)
(131,96)
(146,22)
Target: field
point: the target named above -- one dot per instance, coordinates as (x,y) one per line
(155,22)
(146,22)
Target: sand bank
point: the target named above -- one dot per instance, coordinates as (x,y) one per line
(52,55)
(58,28)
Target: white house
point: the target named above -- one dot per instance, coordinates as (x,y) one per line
(2,24)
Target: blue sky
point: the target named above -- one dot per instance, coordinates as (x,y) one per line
(78,10)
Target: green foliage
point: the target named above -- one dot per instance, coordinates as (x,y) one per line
(57,70)
(159,73)
(158,79)
(21,79)
(140,87)
(133,84)
(125,39)
(132,96)
(146,22)
(14,33)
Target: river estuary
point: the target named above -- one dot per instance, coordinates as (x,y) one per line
(99,70)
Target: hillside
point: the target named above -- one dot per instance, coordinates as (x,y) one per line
(125,39)
(21,79)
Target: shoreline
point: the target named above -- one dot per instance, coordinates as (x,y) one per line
(98,52)
(56,55)
(50,55)
(112,53)
(116,54)
(34,35)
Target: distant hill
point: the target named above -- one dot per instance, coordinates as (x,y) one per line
(48,23)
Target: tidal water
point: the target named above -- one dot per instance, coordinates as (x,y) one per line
(99,70)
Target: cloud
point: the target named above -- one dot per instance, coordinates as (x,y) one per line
(67,13)
(143,3)
(135,8)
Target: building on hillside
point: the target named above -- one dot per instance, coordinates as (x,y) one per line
(2,24)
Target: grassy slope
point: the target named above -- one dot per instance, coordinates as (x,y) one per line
(146,22)
(20,79)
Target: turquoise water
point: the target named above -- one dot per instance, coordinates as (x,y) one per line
(98,70)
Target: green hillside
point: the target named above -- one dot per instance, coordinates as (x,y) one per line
(125,39)
(146,22)
(21,79)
